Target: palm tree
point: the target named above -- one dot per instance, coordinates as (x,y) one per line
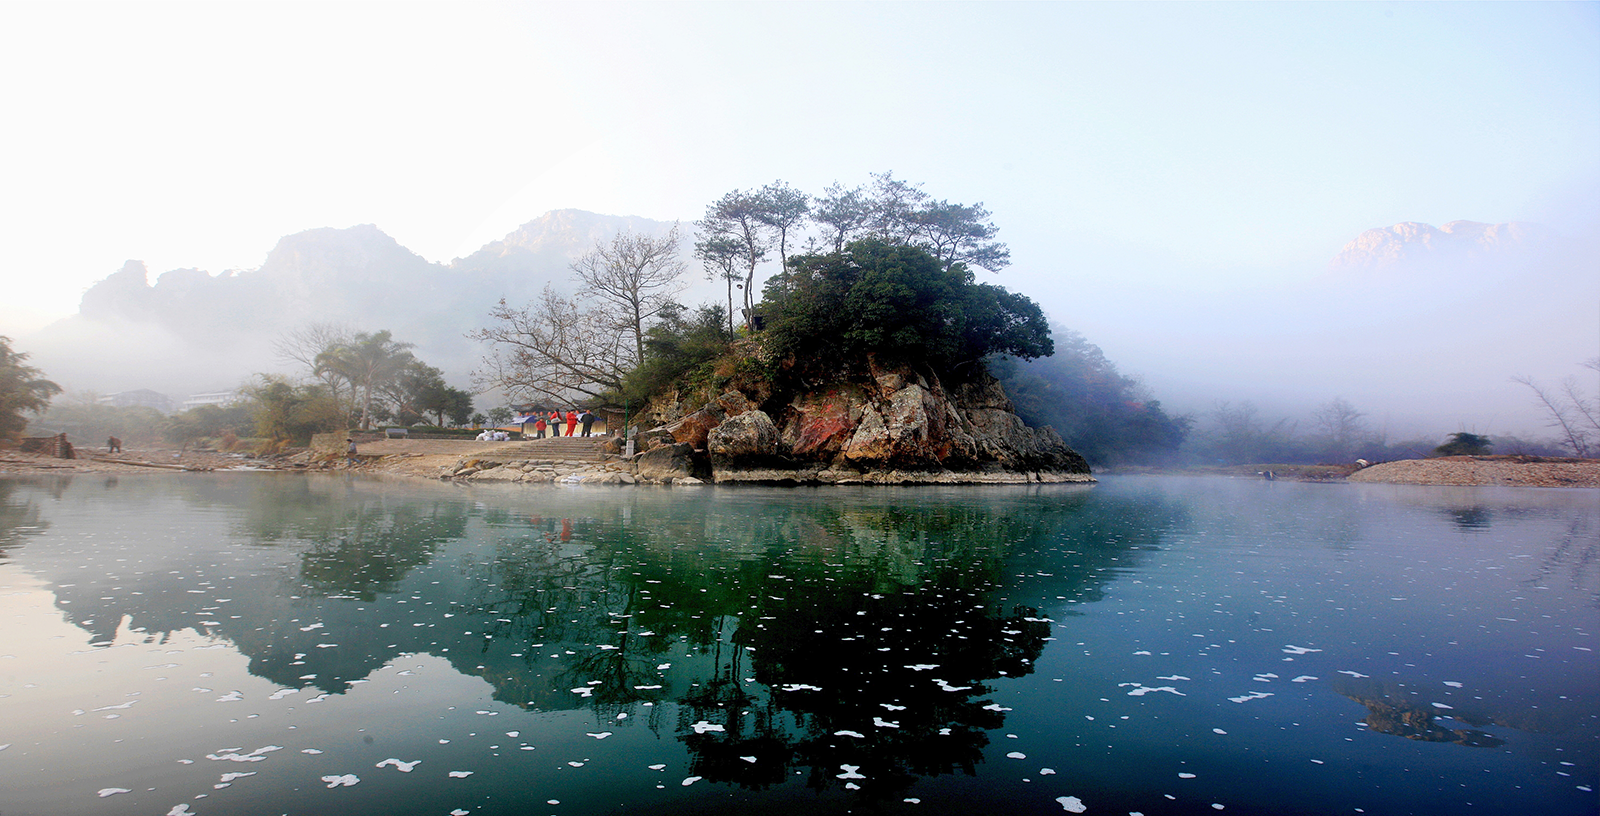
(369,362)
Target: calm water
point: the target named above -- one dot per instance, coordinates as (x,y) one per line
(268,643)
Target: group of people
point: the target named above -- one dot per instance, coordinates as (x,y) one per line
(552,423)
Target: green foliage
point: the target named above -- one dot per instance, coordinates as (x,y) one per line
(1100,413)
(681,347)
(23,389)
(900,303)
(1465,444)
(294,412)
(208,421)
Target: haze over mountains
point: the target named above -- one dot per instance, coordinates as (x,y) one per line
(193,331)
(1420,327)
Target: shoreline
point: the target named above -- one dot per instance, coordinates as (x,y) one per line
(532,462)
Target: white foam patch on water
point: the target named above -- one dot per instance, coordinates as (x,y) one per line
(1452,684)
(657,767)
(749,759)
(583,691)
(1442,705)
(1071,804)
(1254,695)
(104,792)
(402,767)
(922,666)
(1352,673)
(599,735)
(282,693)
(850,772)
(459,774)
(1304,678)
(343,781)
(690,781)
(883,723)
(1219,731)
(1017,755)
(229,777)
(1298,650)
(231,697)
(1186,776)
(128,704)
(180,810)
(310,751)
(703,726)
(1173,677)
(1140,690)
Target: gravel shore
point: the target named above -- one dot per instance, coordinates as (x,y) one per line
(1507,471)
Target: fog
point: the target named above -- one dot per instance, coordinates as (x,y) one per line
(1175,182)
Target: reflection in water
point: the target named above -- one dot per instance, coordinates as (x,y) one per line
(1398,709)
(877,647)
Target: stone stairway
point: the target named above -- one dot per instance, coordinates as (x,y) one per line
(553,449)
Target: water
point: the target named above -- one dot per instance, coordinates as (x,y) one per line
(272,643)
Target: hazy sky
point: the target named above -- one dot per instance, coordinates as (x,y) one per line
(1195,147)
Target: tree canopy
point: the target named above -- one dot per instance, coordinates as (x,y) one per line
(899,302)
(23,389)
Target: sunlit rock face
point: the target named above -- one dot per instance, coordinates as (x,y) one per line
(890,424)
(1413,241)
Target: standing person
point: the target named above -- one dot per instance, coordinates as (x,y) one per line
(350,452)
(538,427)
(113,445)
(555,423)
(587,418)
(572,421)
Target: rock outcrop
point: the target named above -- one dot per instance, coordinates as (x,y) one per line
(890,425)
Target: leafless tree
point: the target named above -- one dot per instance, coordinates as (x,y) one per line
(305,345)
(554,349)
(1570,410)
(634,278)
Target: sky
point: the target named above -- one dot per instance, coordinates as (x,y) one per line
(1126,150)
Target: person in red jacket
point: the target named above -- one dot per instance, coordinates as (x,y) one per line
(555,423)
(572,421)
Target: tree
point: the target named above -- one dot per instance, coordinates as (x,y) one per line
(677,346)
(306,344)
(1342,430)
(553,350)
(782,209)
(370,362)
(23,389)
(500,415)
(286,411)
(720,257)
(1571,411)
(1465,444)
(636,276)
(736,218)
(898,302)
(843,213)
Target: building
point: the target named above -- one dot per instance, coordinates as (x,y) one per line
(219,398)
(139,397)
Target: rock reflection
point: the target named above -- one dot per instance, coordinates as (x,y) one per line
(19,517)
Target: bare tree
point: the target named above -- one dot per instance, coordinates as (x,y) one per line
(1571,411)
(311,343)
(1342,428)
(635,277)
(554,349)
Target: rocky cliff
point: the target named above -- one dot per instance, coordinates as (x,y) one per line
(883,425)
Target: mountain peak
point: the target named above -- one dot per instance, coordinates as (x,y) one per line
(1415,241)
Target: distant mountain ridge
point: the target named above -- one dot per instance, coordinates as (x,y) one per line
(1413,241)
(194,331)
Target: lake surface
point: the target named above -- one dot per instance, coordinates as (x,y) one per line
(261,643)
